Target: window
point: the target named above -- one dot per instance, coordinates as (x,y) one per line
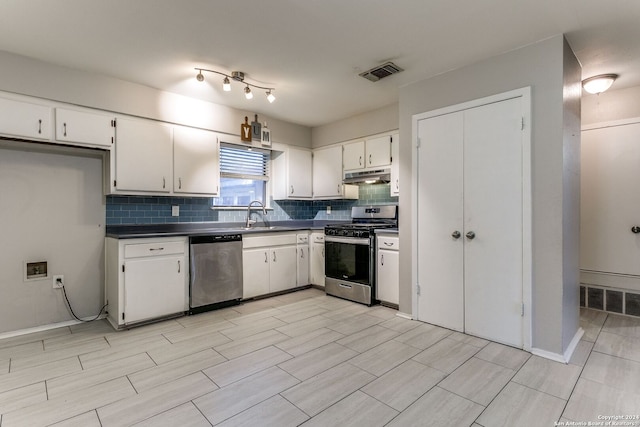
(244,172)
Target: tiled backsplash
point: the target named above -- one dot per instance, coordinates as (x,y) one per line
(128,210)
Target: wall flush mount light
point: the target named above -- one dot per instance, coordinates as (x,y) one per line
(239,77)
(598,84)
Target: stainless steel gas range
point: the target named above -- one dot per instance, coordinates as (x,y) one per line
(350,252)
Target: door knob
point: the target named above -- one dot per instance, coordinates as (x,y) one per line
(635,229)
(471,235)
(455,234)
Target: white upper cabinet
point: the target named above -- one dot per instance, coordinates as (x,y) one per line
(143,156)
(353,156)
(291,177)
(395,165)
(370,153)
(327,173)
(92,129)
(196,162)
(24,119)
(378,151)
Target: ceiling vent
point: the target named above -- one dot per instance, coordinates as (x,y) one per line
(381,71)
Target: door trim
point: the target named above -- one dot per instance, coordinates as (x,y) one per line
(527,240)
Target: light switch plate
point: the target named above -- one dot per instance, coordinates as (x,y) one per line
(175,210)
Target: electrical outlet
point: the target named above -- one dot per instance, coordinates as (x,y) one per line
(328,210)
(58,281)
(175,210)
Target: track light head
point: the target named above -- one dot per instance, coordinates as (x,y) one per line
(200,76)
(247,92)
(270,97)
(226,84)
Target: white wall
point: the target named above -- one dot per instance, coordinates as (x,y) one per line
(51,209)
(612,105)
(370,123)
(540,66)
(27,76)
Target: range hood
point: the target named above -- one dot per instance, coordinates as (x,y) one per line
(374,176)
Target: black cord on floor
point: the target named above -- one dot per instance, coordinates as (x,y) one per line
(64,292)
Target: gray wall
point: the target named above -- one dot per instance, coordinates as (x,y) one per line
(375,121)
(572,88)
(51,209)
(540,66)
(26,76)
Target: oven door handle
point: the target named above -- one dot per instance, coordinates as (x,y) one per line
(347,240)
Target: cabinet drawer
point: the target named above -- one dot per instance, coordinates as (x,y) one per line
(268,239)
(303,239)
(153,249)
(318,238)
(388,243)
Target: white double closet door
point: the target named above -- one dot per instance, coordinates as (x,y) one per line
(470,226)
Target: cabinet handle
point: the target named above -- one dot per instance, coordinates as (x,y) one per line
(156,249)
(292,189)
(388,244)
(178,266)
(338,188)
(397,185)
(301,253)
(164,182)
(360,160)
(322,252)
(266,258)
(274,257)
(40,126)
(381,259)
(635,229)
(179,183)
(369,158)
(64,126)
(471,235)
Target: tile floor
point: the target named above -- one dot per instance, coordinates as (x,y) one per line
(308,359)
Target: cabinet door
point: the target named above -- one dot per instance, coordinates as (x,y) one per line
(195,161)
(317,264)
(23,119)
(282,269)
(303,265)
(153,287)
(395,165)
(143,156)
(84,128)
(353,156)
(255,272)
(378,152)
(327,173)
(388,276)
(299,173)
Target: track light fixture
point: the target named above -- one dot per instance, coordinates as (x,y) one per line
(239,77)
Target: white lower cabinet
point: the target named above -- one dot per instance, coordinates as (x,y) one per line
(316,268)
(387,277)
(303,259)
(269,263)
(145,279)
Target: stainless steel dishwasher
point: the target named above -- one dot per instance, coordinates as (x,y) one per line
(215,271)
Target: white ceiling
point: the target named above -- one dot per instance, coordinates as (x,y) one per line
(311,51)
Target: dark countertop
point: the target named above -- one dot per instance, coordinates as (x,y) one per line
(208,228)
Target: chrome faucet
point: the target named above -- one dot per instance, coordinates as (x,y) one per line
(249,220)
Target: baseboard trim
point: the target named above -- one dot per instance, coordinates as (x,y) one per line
(404,315)
(46,327)
(557,357)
